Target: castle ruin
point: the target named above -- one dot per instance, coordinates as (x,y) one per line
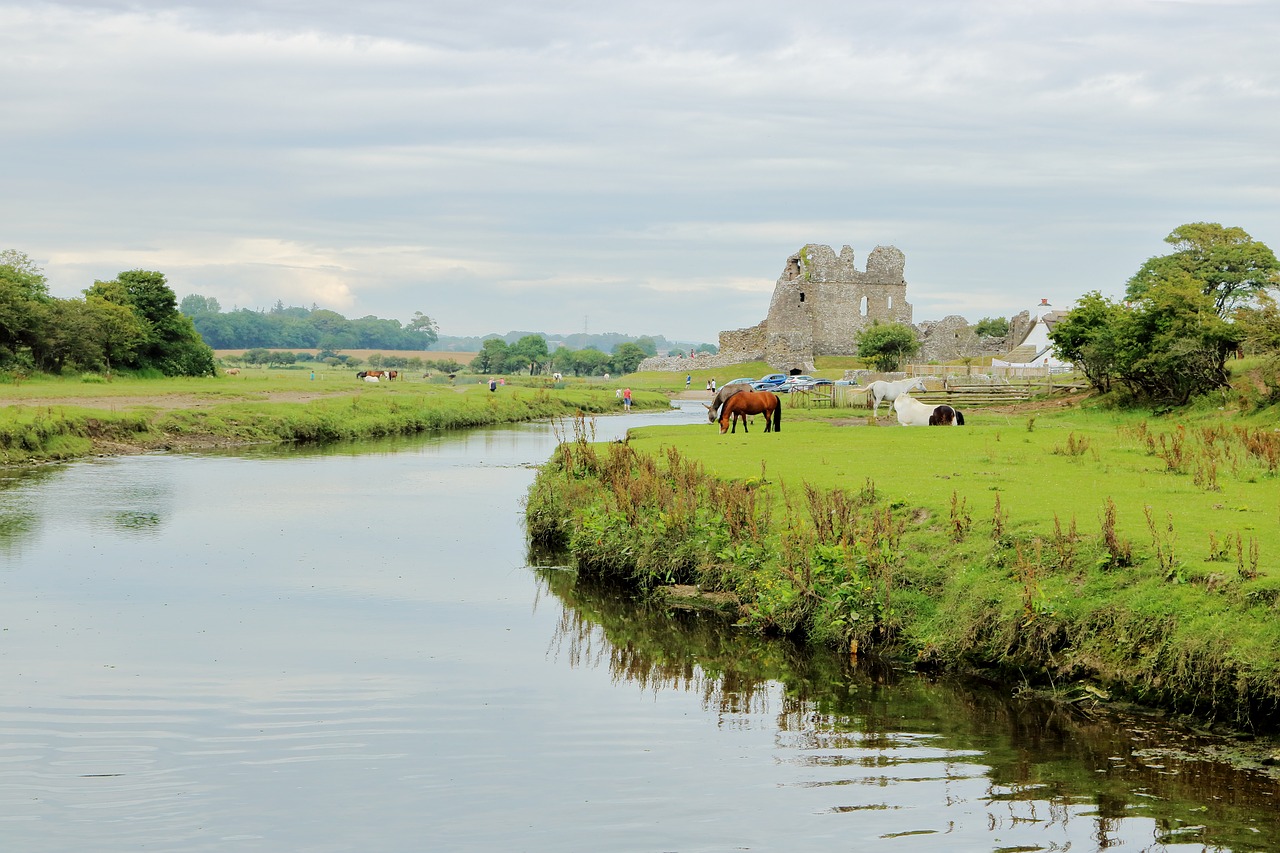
(822,301)
(820,304)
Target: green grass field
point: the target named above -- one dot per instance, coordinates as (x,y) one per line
(1061,544)
(60,418)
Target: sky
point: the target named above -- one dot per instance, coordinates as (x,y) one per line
(644,168)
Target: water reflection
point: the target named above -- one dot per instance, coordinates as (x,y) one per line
(326,650)
(878,738)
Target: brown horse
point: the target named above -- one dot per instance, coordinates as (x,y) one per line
(751,403)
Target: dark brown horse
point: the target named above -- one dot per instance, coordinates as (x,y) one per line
(751,403)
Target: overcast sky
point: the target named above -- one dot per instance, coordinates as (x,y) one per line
(643,168)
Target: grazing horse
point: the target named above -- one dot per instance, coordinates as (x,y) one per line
(746,403)
(911,412)
(233,371)
(725,392)
(365,374)
(944,415)
(881,390)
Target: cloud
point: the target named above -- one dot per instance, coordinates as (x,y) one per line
(543,162)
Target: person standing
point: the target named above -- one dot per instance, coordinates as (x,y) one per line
(688,380)
(713,386)
(493,384)
(626,399)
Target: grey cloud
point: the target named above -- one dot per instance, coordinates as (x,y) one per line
(564,159)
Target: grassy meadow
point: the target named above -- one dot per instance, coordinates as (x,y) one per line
(50,418)
(1102,551)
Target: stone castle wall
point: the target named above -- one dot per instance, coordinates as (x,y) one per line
(822,301)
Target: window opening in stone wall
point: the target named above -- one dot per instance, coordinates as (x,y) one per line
(793,268)
(802,296)
(862,306)
(890,303)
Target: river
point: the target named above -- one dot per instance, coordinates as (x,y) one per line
(347,649)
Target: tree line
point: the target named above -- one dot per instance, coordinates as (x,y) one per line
(530,354)
(294,327)
(130,322)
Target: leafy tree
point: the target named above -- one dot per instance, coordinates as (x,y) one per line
(647,344)
(1166,348)
(492,357)
(1260,326)
(885,346)
(530,350)
(23,291)
(708,348)
(590,362)
(1226,263)
(1088,337)
(169,340)
(627,357)
(120,330)
(991,327)
(194,305)
(425,326)
(1175,345)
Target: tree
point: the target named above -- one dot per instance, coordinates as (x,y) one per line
(169,341)
(492,357)
(647,344)
(991,327)
(195,305)
(627,357)
(1168,347)
(1088,337)
(1226,263)
(885,346)
(23,291)
(1260,325)
(425,326)
(590,362)
(119,330)
(530,350)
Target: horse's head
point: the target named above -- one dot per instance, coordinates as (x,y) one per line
(918,385)
(711,413)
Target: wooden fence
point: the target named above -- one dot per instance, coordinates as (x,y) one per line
(961,396)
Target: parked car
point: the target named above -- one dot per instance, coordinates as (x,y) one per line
(793,382)
(769,383)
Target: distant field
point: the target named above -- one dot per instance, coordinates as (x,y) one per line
(429,355)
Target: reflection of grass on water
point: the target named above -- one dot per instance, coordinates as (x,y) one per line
(1039,756)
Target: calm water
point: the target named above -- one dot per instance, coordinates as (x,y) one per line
(341,651)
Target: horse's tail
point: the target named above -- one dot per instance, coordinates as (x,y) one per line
(777,414)
(959,418)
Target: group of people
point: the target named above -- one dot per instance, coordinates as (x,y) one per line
(688,381)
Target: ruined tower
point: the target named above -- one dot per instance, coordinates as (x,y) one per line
(822,301)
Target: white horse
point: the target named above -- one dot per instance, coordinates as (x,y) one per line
(881,390)
(911,412)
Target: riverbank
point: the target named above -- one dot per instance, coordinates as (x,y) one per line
(58,421)
(1096,553)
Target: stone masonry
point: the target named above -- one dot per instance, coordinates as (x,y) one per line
(820,303)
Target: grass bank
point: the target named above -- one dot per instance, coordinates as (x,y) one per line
(1097,551)
(53,420)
